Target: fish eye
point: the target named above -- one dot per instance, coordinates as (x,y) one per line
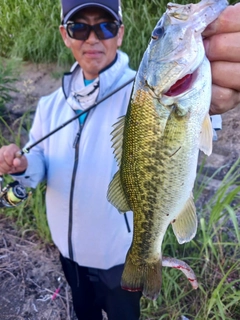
(157,33)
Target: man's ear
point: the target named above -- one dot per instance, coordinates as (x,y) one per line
(65,36)
(120,35)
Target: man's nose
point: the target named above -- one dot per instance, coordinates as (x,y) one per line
(92,37)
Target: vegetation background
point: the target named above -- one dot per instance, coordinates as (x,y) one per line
(29,29)
(29,32)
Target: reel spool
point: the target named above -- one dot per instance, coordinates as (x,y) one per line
(13,195)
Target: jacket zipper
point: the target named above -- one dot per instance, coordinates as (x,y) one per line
(76,144)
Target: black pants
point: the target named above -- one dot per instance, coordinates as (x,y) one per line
(95,289)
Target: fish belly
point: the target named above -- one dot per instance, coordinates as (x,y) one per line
(157,173)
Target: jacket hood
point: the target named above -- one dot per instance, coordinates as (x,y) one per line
(106,83)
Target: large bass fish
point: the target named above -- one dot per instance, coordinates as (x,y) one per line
(158,141)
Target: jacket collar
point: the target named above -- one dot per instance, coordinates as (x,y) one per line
(108,76)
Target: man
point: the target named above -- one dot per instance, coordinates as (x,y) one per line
(77,161)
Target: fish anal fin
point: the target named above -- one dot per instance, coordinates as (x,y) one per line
(116,195)
(185,224)
(206,136)
(146,278)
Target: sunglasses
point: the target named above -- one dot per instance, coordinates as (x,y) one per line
(81,31)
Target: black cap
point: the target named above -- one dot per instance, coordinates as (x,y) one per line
(70,7)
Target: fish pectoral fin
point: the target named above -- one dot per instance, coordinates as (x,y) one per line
(185,225)
(116,195)
(206,136)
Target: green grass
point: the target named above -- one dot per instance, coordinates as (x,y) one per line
(8,76)
(29,29)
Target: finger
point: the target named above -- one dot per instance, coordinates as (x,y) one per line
(5,168)
(223,99)
(7,153)
(225,47)
(228,21)
(17,163)
(8,157)
(7,160)
(19,154)
(20,164)
(13,170)
(226,74)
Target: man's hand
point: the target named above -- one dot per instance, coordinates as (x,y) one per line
(9,163)
(222,44)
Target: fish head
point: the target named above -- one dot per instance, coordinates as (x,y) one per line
(176,49)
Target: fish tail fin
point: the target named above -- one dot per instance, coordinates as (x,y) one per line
(146,278)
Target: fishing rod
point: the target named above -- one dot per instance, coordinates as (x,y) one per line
(14,193)
(26,150)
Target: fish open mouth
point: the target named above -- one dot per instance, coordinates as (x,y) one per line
(180,86)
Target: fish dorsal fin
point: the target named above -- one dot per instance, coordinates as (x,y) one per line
(185,225)
(206,136)
(117,139)
(116,195)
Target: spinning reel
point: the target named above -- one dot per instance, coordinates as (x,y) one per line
(13,194)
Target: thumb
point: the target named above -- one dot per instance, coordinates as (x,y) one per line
(20,164)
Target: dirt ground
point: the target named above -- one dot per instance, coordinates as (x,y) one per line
(29,275)
(29,270)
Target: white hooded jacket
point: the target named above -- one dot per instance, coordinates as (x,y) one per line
(84,225)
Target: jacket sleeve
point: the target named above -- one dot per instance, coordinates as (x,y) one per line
(36,170)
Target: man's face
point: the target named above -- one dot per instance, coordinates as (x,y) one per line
(93,54)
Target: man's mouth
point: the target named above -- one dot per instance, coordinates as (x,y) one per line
(180,86)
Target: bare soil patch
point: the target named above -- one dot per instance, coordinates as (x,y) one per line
(36,80)
(30,273)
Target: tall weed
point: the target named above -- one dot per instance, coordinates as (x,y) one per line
(29,29)
(8,76)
